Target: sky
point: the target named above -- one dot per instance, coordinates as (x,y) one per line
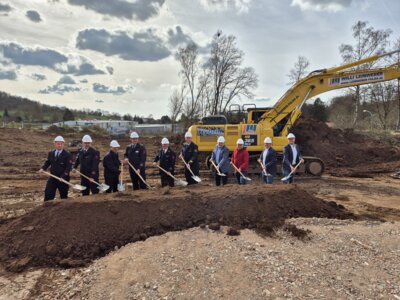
(118,55)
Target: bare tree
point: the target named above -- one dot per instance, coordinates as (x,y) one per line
(299,70)
(175,104)
(396,59)
(382,96)
(368,41)
(226,80)
(190,69)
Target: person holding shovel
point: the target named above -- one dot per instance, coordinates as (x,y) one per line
(240,159)
(166,159)
(190,155)
(268,161)
(60,163)
(291,158)
(88,158)
(220,157)
(111,166)
(136,155)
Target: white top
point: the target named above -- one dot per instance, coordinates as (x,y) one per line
(265,152)
(294,150)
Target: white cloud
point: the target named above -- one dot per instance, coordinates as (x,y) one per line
(240,6)
(322,5)
(115,90)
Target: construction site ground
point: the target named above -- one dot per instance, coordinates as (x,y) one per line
(334,237)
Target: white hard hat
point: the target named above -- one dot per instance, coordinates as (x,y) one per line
(188,134)
(86,139)
(59,139)
(240,142)
(164,141)
(291,136)
(134,135)
(114,144)
(267,140)
(221,139)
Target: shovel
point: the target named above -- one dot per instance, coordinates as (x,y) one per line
(290,174)
(195,178)
(121,185)
(264,168)
(101,186)
(216,168)
(138,174)
(74,186)
(177,181)
(237,170)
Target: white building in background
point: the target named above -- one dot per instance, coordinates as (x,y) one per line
(118,127)
(113,127)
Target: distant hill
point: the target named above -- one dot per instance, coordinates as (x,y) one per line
(19,109)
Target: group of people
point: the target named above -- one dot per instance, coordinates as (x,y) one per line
(88,159)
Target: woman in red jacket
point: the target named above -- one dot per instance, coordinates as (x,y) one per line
(240,158)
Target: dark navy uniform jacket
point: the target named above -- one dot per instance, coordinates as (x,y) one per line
(190,154)
(136,155)
(269,161)
(89,162)
(111,164)
(167,160)
(60,166)
(288,157)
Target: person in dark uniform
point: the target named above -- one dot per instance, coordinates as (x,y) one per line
(111,166)
(190,154)
(166,159)
(136,154)
(291,157)
(60,163)
(88,158)
(268,159)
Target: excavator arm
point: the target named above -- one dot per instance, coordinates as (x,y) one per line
(288,108)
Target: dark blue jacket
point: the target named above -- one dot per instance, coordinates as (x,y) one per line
(89,162)
(269,161)
(190,154)
(136,155)
(288,157)
(167,160)
(111,164)
(60,166)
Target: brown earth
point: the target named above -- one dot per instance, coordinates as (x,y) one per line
(72,233)
(345,152)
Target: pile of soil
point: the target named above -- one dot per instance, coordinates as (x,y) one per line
(343,148)
(74,232)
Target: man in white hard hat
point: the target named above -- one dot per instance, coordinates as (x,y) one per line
(240,158)
(291,157)
(190,154)
(220,156)
(166,159)
(136,154)
(88,158)
(60,163)
(111,166)
(268,161)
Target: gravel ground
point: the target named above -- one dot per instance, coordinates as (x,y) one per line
(340,259)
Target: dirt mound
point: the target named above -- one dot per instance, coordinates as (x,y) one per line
(342,148)
(74,232)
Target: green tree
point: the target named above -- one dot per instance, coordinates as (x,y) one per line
(68,115)
(318,110)
(165,120)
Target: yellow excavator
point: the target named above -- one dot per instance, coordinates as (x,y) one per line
(254,124)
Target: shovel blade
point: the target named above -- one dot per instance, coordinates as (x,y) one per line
(121,187)
(79,187)
(221,174)
(196,178)
(181,183)
(285,178)
(103,187)
(247,178)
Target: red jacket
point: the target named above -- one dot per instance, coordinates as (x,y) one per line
(240,159)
